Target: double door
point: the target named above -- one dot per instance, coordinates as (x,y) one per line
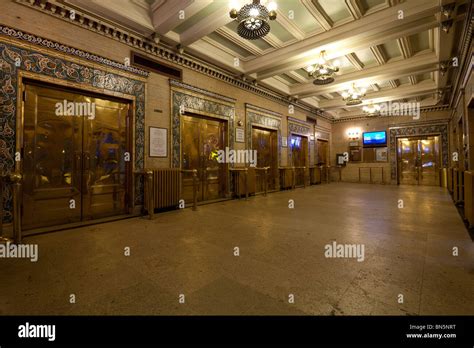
(76,163)
(266,143)
(418,160)
(202,138)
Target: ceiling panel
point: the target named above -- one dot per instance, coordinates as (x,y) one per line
(233,46)
(335,9)
(391,50)
(280,32)
(303,19)
(366,57)
(420,41)
(201,15)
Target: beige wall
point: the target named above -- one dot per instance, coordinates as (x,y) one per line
(158,91)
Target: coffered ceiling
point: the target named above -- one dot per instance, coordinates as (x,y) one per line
(395,58)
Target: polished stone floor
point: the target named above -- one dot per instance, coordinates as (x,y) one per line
(408,251)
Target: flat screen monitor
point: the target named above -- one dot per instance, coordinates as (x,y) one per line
(374,139)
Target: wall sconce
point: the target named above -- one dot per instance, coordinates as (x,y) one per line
(240,123)
(311,137)
(353,133)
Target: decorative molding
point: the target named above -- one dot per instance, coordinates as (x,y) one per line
(400,132)
(36,40)
(262,110)
(146,44)
(179,84)
(14,59)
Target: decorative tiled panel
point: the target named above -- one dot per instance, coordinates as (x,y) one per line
(198,104)
(439,129)
(13,58)
(259,119)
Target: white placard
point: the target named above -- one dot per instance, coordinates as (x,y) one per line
(284,142)
(158,142)
(239,135)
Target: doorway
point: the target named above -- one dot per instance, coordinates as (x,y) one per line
(265,141)
(75,165)
(419,160)
(201,138)
(299,155)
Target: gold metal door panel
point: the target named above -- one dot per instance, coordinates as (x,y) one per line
(408,161)
(73,167)
(429,156)
(212,136)
(265,142)
(418,160)
(51,163)
(323,152)
(190,157)
(200,138)
(299,151)
(105,168)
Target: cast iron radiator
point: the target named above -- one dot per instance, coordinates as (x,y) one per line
(166,188)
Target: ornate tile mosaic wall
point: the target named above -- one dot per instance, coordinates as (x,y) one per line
(440,129)
(15,58)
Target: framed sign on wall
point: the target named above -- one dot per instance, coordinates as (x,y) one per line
(284,141)
(158,142)
(239,135)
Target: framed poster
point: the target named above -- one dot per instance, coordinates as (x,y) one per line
(381,154)
(239,135)
(158,142)
(284,141)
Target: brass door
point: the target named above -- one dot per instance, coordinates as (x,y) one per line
(323,152)
(201,138)
(299,154)
(266,144)
(69,173)
(418,160)
(105,167)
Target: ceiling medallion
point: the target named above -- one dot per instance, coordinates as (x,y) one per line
(253,19)
(371,109)
(353,96)
(323,72)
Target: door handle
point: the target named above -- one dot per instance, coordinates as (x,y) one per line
(86,159)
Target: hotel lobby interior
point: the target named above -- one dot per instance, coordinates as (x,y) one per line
(215,157)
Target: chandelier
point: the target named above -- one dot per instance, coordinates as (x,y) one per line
(253,19)
(353,96)
(371,109)
(323,72)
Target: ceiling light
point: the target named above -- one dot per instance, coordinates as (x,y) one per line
(354,95)
(253,19)
(371,109)
(323,71)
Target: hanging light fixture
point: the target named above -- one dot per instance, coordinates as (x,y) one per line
(323,72)
(253,18)
(371,109)
(353,96)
